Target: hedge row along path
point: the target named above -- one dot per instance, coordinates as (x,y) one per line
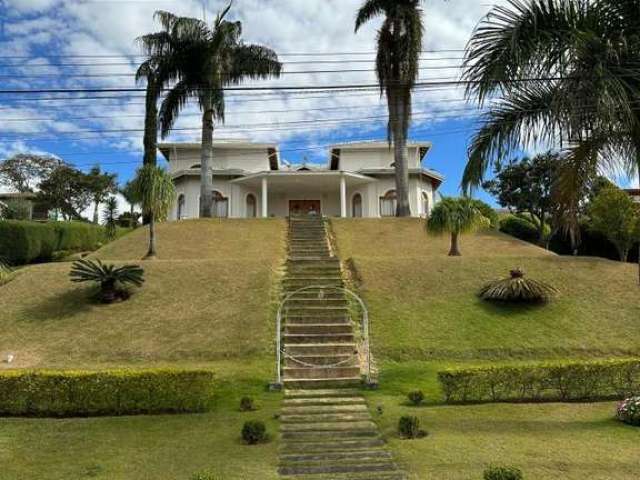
(326,429)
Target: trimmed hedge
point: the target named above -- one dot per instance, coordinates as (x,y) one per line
(614,379)
(24,242)
(521,228)
(108,392)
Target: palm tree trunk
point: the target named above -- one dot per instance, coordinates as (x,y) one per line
(132,222)
(455,249)
(152,238)
(401,158)
(206,182)
(95,212)
(150,140)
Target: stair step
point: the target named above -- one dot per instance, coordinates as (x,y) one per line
(325,417)
(321,360)
(314,319)
(377,453)
(324,402)
(337,445)
(345,348)
(324,409)
(291,373)
(353,476)
(298,338)
(384,466)
(317,328)
(322,382)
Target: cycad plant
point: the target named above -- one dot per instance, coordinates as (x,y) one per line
(455,216)
(113,280)
(109,215)
(397,68)
(199,62)
(517,289)
(156,193)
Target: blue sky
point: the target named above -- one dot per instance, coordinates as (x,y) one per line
(90,44)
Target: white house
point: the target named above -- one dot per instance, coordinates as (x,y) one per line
(250,181)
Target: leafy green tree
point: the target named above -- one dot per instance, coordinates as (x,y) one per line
(110,217)
(614,214)
(15,209)
(200,61)
(67,191)
(527,186)
(397,67)
(130,193)
(156,193)
(24,170)
(455,216)
(101,185)
(557,70)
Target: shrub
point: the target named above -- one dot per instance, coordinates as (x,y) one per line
(107,392)
(6,273)
(113,280)
(409,427)
(246,404)
(629,411)
(517,289)
(502,473)
(416,397)
(205,476)
(488,212)
(254,432)
(576,381)
(521,228)
(17,209)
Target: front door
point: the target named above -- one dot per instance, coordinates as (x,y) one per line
(304,207)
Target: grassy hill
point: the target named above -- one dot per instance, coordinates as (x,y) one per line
(208,297)
(423,303)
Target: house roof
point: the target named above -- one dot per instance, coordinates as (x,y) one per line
(435,177)
(17,196)
(635,192)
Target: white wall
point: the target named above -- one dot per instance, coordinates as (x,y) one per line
(356,159)
(250,159)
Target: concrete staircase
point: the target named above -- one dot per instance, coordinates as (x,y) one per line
(326,429)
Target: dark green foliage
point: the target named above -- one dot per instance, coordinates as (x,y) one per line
(205,476)
(108,392)
(517,289)
(409,427)
(110,215)
(253,432)
(6,273)
(487,211)
(246,404)
(416,397)
(502,473)
(25,242)
(520,227)
(113,280)
(629,411)
(15,209)
(576,381)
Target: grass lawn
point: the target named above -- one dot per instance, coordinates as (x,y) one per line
(423,304)
(189,310)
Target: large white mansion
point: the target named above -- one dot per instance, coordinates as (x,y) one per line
(250,181)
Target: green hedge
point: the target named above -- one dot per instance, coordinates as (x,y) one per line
(605,380)
(24,242)
(521,228)
(109,392)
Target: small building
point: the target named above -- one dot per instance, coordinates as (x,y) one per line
(635,193)
(249,180)
(36,210)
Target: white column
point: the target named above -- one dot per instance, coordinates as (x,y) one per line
(343,196)
(265,210)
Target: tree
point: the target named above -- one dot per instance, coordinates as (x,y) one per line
(526,186)
(24,170)
(397,68)
(155,189)
(199,62)
(455,216)
(614,214)
(109,216)
(67,191)
(101,185)
(130,193)
(15,209)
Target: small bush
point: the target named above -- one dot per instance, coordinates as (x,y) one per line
(629,411)
(574,381)
(488,212)
(254,432)
(502,473)
(246,404)
(517,289)
(521,228)
(416,398)
(409,427)
(107,392)
(113,280)
(205,476)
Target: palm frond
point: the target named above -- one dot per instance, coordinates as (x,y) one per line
(156,191)
(254,62)
(369,10)
(172,105)
(455,215)
(517,289)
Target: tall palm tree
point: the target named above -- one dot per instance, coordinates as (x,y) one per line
(558,70)
(200,62)
(156,192)
(397,68)
(455,216)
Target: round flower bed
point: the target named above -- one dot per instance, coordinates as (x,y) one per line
(629,411)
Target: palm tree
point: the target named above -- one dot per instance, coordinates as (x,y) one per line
(130,193)
(200,61)
(155,189)
(147,72)
(558,70)
(397,68)
(109,215)
(455,216)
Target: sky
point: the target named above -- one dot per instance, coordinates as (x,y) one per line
(91,44)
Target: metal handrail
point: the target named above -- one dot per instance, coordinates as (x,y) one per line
(365,327)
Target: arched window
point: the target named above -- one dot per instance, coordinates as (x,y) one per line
(388,204)
(252,210)
(425,204)
(181,206)
(220,205)
(356,206)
